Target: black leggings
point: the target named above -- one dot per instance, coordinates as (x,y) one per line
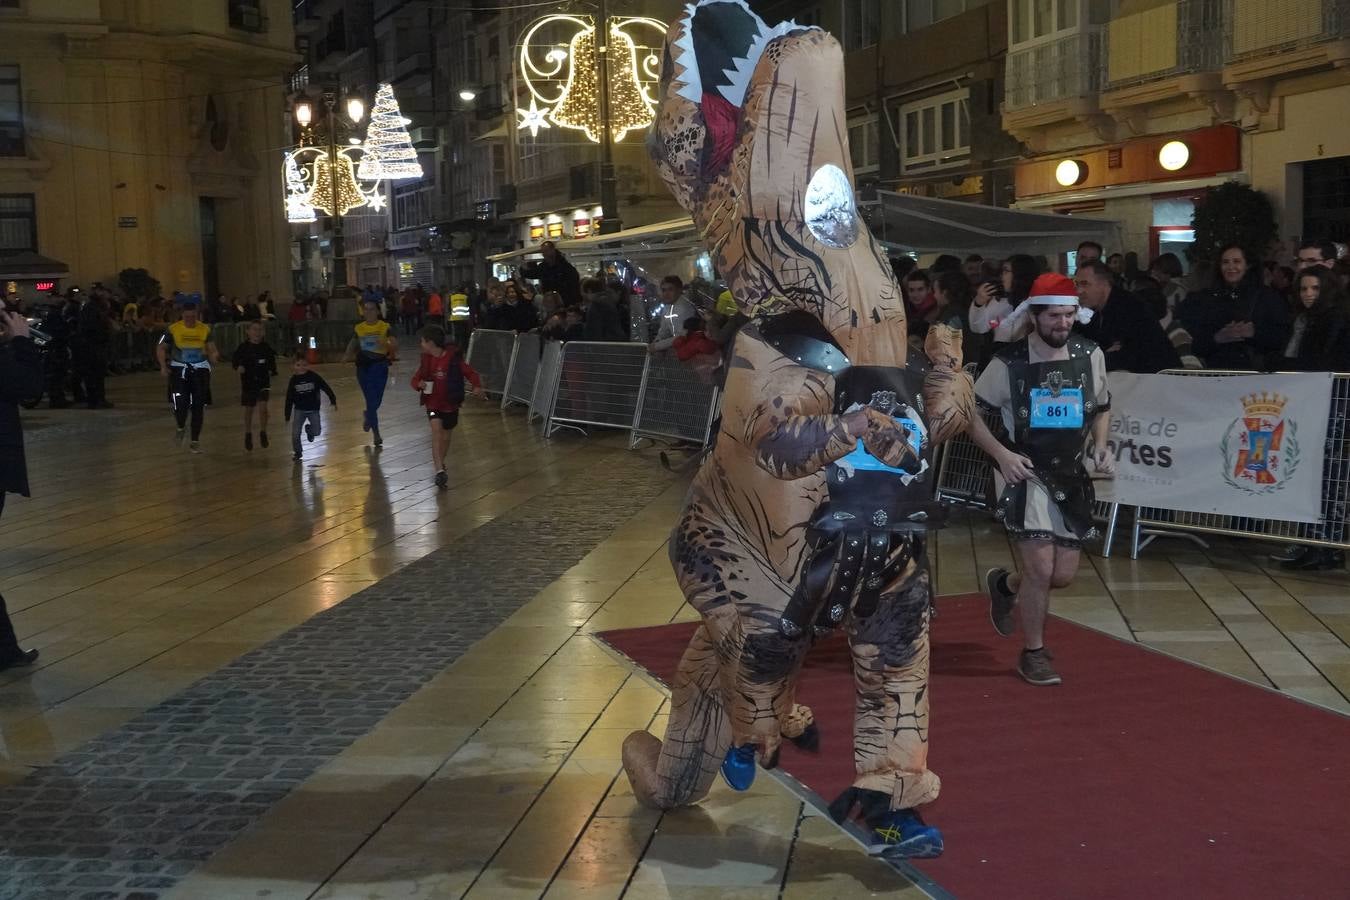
(190,391)
(9,644)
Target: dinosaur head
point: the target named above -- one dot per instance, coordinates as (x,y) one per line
(751,136)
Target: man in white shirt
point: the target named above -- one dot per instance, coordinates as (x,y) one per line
(676,309)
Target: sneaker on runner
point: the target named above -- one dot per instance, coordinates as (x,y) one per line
(1290,553)
(195,447)
(248,441)
(442,479)
(738,769)
(1001,602)
(180,434)
(903,835)
(1034,667)
(262,439)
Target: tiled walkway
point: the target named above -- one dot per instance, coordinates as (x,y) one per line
(262,681)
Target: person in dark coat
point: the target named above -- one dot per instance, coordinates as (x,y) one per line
(602,313)
(1124,326)
(91,349)
(21,378)
(1240,324)
(1320,338)
(555,273)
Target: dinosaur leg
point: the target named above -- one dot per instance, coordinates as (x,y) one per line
(890,667)
(679,770)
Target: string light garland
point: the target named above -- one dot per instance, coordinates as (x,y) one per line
(298,207)
(389,151)
(563,78)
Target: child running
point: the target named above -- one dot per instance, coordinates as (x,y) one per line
(302,395)
(185,354)
(256,363)
(375,352)
(440,380)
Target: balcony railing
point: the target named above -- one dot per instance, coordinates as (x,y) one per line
(1053,70)
(1138,54)
(1267,27)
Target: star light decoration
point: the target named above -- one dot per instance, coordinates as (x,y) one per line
(559,67)
(316,183)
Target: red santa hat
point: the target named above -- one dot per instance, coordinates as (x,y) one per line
(1050,289)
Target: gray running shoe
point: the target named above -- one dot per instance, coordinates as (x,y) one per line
(1035,668)
(1001,603)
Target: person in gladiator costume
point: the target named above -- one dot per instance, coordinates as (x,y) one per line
(812,507)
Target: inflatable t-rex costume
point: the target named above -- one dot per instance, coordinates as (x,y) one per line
(790,526)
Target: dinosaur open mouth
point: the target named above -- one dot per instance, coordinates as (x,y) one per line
(719,48)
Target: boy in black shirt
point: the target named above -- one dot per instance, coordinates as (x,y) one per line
(256,363)
(302,395)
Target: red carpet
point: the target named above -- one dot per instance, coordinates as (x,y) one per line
(1140,776)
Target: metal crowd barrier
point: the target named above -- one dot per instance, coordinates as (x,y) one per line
(546,384)
(490,355)
(1332,531)
(581,384)
(598,385)
(673,403)
(966,478)
(524,370)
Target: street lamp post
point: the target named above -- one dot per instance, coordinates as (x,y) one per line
(609,182)
(304,116)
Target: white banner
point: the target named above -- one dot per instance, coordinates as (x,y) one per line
(1238,445)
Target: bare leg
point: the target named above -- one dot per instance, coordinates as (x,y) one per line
(1037,560)
(440,443)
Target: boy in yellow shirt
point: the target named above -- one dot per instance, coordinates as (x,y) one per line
(375,352)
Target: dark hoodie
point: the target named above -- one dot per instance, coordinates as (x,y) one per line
(602,318)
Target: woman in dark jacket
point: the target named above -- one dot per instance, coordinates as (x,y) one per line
(20,379)
(1320,341)
(1239,324)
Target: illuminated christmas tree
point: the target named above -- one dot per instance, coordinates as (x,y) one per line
(389,151)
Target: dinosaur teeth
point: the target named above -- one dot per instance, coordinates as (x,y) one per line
(690,82)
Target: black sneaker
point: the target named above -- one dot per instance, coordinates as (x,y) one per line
(442,479)
(1001,602)
(18,659)
(309,433)
(248,441)
(379,441)
(1317,559)
(296,456)
(1034,667)
(262,439)
(1291,553)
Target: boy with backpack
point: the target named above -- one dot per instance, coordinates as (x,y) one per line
(440,378)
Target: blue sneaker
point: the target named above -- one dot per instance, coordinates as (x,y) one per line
(903,835)
(738,769)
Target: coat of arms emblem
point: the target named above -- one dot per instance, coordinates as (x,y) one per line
(1260,449)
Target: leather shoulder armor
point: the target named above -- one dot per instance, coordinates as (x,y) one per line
(802,338)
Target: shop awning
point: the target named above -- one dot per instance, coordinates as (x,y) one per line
(924,225)
(677,236)
(26,265)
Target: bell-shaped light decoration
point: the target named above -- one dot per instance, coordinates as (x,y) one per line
(335,190)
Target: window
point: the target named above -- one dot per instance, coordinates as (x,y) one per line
(1035,19)
(935,132)
(11,112)
(18,223)
(864,145)
(411,205)
(862,23)
(918,14)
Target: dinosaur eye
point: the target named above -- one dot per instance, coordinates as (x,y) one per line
(831,214)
